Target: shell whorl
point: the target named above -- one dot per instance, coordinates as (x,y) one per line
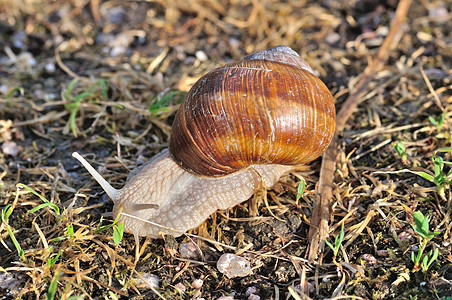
(268,108)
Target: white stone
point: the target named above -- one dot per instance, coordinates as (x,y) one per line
(233,265)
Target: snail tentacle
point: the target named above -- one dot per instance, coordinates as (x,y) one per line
(113,193)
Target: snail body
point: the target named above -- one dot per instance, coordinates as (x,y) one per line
(239,129)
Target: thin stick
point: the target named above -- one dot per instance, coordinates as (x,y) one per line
(62,65)
(318,231)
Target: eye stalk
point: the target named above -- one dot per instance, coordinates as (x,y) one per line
(111,191)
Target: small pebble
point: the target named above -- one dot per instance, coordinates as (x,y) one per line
(440,14)
(117,14)
(197,283)
(233,265)
(180,287)
(10,148)
(188,250)
(332,38)
(251,293)
(310,287)
(27,58)
(50,67)
(25,62)
(116,44)
(404,236)
(150,281)
(10,282)
(226,298)
(4,89)
(117,51)
(19,39)
(235,43)
(251,290)
(435,72)
(201,55)
(369,258)
(103,38)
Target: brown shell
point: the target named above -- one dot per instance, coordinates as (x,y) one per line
(252,112)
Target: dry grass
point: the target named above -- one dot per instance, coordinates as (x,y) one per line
(81,76)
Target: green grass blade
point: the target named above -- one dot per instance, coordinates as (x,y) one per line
(425,226)
(300,189)
(433,121)
(53,206)
(46,203)
(118,233)
(7,211)
(418,218)
(70,87)
(103,88)
(329,245)
(52,261)
(53,286)
(19,249)
(433,258)
(21,185)
(424,175)
(342,234)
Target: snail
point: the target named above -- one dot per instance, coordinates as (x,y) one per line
(239,129)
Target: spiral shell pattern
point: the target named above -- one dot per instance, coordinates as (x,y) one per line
(254,111)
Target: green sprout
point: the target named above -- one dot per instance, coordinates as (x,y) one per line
(5,213)
(439,121)
(300,189)
(118,233)
(11,93)
(440,129)
(421,227)
(401,150)
(101,227)
(118,229)
(75,101)
(53,286)
(69,231)
(52,261)
(46,203)
(337,244)
(159,105)
(440,178)
(51,292)
(68,234)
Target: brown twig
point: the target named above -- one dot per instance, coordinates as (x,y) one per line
(318,231)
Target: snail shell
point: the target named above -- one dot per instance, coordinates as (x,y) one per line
(268,108)
(239,129)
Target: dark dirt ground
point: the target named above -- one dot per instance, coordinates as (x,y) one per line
(86,76)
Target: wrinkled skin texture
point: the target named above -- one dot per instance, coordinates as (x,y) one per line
(165,194)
